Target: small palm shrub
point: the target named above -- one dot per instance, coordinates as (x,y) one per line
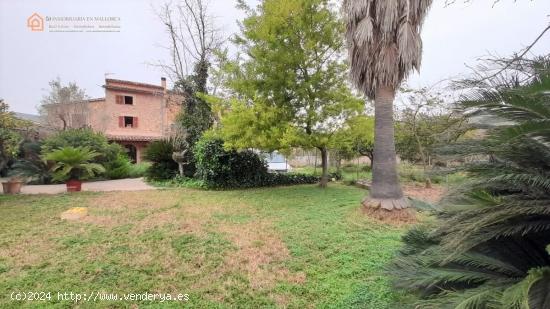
(159,153)
(37,170)
(489,247)
(74,163)
(110,155)
(31,165)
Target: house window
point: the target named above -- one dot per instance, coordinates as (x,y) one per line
(127,122)
(125,99)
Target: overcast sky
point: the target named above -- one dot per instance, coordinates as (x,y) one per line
(453,37)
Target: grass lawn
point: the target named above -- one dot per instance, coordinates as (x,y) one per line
(289,247)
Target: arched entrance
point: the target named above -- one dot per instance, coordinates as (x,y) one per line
(131,150)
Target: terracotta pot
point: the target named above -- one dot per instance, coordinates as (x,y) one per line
(74,185)
(12,187)
(6,187)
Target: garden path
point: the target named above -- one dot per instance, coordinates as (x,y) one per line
(137,184)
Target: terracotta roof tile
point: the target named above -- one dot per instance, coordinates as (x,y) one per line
(134,138)
(127,82)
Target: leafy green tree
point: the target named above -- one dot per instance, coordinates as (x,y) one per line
(356,139)
(384,47)
(489,248)
(290,89)
(10,138)
(426,124)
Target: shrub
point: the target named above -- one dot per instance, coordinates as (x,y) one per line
(335,175)
(118,168)
(412,173)
(180,182)
(159,153)
(219,168)
(111,155)
(31,165)
(223,169)
(138,170)
(74,163)
(272,180)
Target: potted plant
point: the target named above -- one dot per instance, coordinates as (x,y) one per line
(12,185)
(74,164)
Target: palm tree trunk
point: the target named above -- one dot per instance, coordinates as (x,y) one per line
(385,191)
(324,164)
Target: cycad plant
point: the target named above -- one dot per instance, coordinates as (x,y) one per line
(74,163)
(489,247)
(384,47)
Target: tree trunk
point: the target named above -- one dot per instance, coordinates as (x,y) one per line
(385,191)
(315,168)
(324,164)
(338,163)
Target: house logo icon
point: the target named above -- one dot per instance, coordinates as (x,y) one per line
(35,22)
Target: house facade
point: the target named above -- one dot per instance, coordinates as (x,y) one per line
(132,114)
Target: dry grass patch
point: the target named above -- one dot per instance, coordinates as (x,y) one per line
(260,254)
(397,218)
(431,195)
(27,252)
(124,201)
(257,251)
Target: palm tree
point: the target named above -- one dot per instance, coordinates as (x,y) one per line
(384,47)
(490,247)
(74,163)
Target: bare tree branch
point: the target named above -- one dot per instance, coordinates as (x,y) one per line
(521,55)
(192,34)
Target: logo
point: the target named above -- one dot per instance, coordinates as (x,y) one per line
(35,22)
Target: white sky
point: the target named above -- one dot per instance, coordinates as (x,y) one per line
(453,36)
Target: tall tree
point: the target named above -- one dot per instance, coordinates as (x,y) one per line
(291,81)
(64,106)
(193,40)
(384,47)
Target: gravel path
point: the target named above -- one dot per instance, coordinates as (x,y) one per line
(137,184)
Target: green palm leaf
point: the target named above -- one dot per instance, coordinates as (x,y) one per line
(74,162)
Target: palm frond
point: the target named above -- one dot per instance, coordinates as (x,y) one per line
(489,245)
(530,293)
(383,39)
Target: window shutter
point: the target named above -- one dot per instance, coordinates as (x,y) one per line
(135,124)
(121,121)
(119,99)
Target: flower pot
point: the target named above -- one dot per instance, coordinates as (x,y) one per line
(12,187)
(74,185)
(6,187)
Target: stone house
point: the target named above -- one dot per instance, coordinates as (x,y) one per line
(132,114)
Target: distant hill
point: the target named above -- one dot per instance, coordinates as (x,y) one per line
(29,117)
